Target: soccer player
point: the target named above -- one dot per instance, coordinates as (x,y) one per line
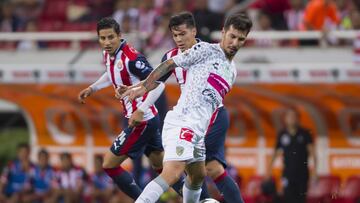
(210,75)
(126,66)
(183,29)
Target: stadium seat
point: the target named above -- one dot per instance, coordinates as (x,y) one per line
(324,189)
(55,10)
(252,191)
(350,192)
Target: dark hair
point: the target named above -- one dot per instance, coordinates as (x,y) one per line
(99,157)
(43,152)
(23,145)
(106,23)
(182,18)
(65,155)
(239,21)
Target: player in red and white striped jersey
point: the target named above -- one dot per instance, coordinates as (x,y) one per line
(126,66)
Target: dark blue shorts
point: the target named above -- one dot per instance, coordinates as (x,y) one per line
(215,137)
(134,142)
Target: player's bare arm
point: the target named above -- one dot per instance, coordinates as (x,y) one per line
(151,81)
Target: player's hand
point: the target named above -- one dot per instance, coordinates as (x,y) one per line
(136,118)
(121,90)
(134,92)
(85,93)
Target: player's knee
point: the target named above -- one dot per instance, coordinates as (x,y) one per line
(214,169)
(172,172)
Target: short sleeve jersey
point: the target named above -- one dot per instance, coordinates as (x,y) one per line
(210,76)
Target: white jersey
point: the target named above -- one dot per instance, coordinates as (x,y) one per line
(209,78)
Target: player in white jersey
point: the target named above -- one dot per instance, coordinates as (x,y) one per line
(183,29)
(210,75)
(126,66)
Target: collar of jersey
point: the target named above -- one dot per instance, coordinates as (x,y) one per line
(197,41)
(122,44)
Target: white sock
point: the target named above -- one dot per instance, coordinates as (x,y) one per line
(191,195)
(153,191)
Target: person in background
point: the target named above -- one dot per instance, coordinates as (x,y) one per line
(15,180)
(102,187)
(72,180)
(296,145)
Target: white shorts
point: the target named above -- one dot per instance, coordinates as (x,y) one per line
(182,144)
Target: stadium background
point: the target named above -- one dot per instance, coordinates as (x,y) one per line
(49,53)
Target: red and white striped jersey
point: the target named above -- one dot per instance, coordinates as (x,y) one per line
(179,73)
(128,67)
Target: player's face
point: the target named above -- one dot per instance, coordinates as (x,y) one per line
(109,40)
(184,36)
(232,40)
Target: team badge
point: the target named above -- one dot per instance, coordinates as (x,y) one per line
(179,150)
(120,65)
(285,140)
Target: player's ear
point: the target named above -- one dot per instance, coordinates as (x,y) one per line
(223,31)
(193,31)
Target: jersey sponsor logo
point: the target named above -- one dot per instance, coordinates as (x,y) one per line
(210,97)
(186,134)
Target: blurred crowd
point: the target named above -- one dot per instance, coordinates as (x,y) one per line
(149,18)
(36,181)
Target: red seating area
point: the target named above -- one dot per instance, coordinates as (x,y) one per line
(327,189)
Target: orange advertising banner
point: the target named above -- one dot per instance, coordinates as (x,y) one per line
(330,111)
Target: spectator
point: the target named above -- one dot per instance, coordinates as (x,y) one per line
(102,185)
(29,45)
(72,180)
(77,11)
(206,21)
(9,22)
(218,6)
(275,9)
(318,13)
(161,38)
(295,16)
(264,24)
(296,145)
(28,10)
(16,177)
(147,18)
(44,182)
(125,9)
